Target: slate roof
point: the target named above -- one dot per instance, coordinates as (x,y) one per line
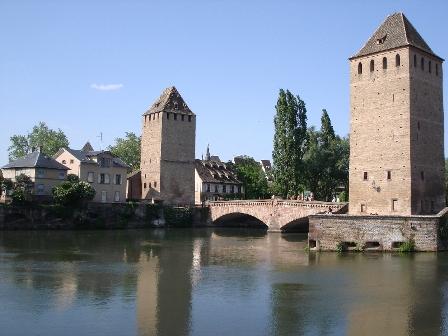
(266,164)
(396,31)
(170,100)
(35,160)
(87,156)
(215,172)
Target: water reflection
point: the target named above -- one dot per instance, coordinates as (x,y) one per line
(221,282)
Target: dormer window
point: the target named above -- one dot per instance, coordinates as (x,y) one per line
(381,40)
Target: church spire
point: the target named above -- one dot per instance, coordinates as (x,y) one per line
(207,154)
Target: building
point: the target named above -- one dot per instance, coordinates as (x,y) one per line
(168,150)
(134,185)
(215,180)
(45,172)
(396,137)
(104,171)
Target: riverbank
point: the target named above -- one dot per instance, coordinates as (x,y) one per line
(99,216)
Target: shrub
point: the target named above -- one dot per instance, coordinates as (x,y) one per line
(340,247)
(407,246)
(73,193)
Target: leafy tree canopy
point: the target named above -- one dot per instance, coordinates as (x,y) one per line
(254,180)
(73,193)
(128,149)
(50,141)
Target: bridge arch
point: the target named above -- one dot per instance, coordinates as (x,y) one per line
(239,219)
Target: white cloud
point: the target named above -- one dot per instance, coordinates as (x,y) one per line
(106,87)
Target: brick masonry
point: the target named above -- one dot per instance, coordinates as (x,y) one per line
(327,231)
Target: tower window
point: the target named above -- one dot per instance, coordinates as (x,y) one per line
(144,185)
(422,63)
(422,175)
(363,207)
(155,184)
(394,204)
(437,69)
(372,66)
(365,176)
(384,63)
(429,66)
(389,175)
(359,68)
(397,60)
(415,61)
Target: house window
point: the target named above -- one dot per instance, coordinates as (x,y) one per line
(90,177)
(384,62)
(189,118)
(175,116)
(40,189)
(372,65)
(105,162)
(422,63)
(61,175)
(389,175)
(224,188)
(365,176)
(232,189)
(239,189)
(104,178)
(149,184)
(216,188)
(208,187)
(71,161)
(429,66)
(167,115)
(118,179)
(397,60)
(422,175)
(144,185)
(117,196)
(40,173)
(415,61)
(104,196)
(437,69)
(359,68)
(394,204)
(183,117)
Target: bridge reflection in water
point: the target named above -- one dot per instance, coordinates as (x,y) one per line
(213,282)
(274,215)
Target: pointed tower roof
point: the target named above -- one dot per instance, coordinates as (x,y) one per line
(170,100)
(396,31)
(87,147)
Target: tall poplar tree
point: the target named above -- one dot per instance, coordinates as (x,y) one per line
(289,144)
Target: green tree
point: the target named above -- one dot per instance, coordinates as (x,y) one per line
(50,141)
(128,149)
(22,189)
(254,180)
(326,160)
(290,140)
(73,193)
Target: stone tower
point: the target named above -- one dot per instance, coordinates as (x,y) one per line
(396,136)
(168,150)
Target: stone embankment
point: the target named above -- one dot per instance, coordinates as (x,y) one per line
(99,216)
(387,233)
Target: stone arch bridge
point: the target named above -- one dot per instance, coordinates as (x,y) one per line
(277,215)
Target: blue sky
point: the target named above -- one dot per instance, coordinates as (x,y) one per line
(95,66)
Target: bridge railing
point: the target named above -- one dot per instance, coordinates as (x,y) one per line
(277,202)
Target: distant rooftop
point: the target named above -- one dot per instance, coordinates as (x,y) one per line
(35,160)
(396,31)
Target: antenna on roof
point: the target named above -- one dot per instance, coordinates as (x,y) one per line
(101,140)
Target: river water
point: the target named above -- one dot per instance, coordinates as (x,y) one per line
(212,282)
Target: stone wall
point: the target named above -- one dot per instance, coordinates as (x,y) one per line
(100,216)
(375,232)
